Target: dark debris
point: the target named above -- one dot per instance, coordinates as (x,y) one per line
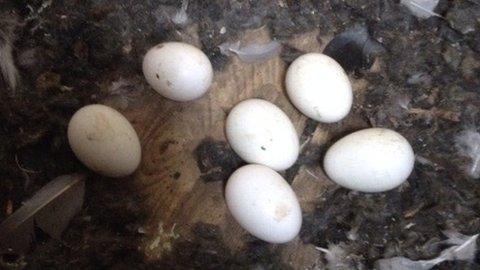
(208,251)
(425,85)
(354,49)
(216,160)
(309,155)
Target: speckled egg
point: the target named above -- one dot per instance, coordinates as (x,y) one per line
(178,71)
(260,132)
(104,140)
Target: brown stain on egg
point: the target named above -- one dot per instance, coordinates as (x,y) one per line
(281,211)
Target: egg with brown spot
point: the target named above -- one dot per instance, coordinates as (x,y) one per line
(263,203)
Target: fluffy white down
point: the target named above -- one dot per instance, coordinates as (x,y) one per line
(370,160)
(318,87)
(263,203)
(260,132)
(178,71)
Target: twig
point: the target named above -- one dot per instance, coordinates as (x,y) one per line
(311,174)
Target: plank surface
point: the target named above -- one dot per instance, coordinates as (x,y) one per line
(178,193)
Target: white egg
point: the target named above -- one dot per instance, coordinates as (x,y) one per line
(370,160)
(260,132)
(263,203)
(178,71)
(318,87)
(104,141)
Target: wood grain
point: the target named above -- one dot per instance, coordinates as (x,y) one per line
(169,178)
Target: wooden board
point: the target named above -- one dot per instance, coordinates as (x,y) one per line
(174,188)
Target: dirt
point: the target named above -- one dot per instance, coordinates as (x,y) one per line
(309,155)
(207,251)
(424,83)
(216,160)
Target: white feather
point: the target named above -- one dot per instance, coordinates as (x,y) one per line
(464,249)
(254,52)
(421,8)
(9,71)
(181,17)
(339,259)
(468,144)
(7,65)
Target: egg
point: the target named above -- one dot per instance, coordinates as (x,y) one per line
(263,203)
(318,87)
(104,141)
(260,132)
(178,71)
(370,160)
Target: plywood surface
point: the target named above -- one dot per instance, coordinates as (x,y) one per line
(182,184)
